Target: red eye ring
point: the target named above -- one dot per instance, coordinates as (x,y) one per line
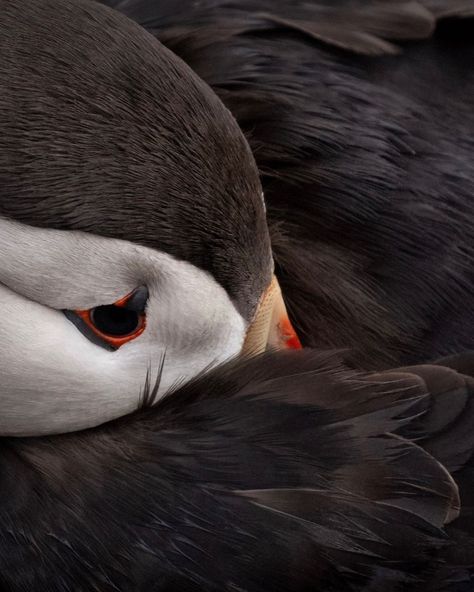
(112,340)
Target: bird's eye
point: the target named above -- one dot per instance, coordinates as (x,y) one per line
(113,325)
(114,320)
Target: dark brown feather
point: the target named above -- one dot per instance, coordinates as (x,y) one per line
(362,29)
(272,474)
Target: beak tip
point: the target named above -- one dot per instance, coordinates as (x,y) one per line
(271,327)
(288,335)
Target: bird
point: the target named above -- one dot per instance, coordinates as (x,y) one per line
(135,260)
(288,471)
(360,119)
(133,238)
(79,156)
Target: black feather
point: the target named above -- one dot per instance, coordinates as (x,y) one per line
(445,428)
(272,474)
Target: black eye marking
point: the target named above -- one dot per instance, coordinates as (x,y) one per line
(138,299)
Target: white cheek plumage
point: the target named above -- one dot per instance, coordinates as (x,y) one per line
(52,378)
(192,321)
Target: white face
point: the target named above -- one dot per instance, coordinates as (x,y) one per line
(52,377)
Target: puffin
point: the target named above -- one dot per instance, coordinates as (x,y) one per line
(111,184)
(286,472)
(133,240)
(136,263)
(359,114)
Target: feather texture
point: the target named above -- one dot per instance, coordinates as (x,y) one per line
(273,474)
(366,161)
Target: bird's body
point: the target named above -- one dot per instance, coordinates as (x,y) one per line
(286,473)
(360,118)
(134,255)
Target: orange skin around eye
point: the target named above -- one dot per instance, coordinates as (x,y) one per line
(115,342)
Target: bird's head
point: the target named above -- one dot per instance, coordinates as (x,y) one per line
(133,238)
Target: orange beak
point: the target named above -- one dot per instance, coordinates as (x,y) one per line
(270,328)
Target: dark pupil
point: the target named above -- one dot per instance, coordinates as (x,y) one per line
(115,320)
